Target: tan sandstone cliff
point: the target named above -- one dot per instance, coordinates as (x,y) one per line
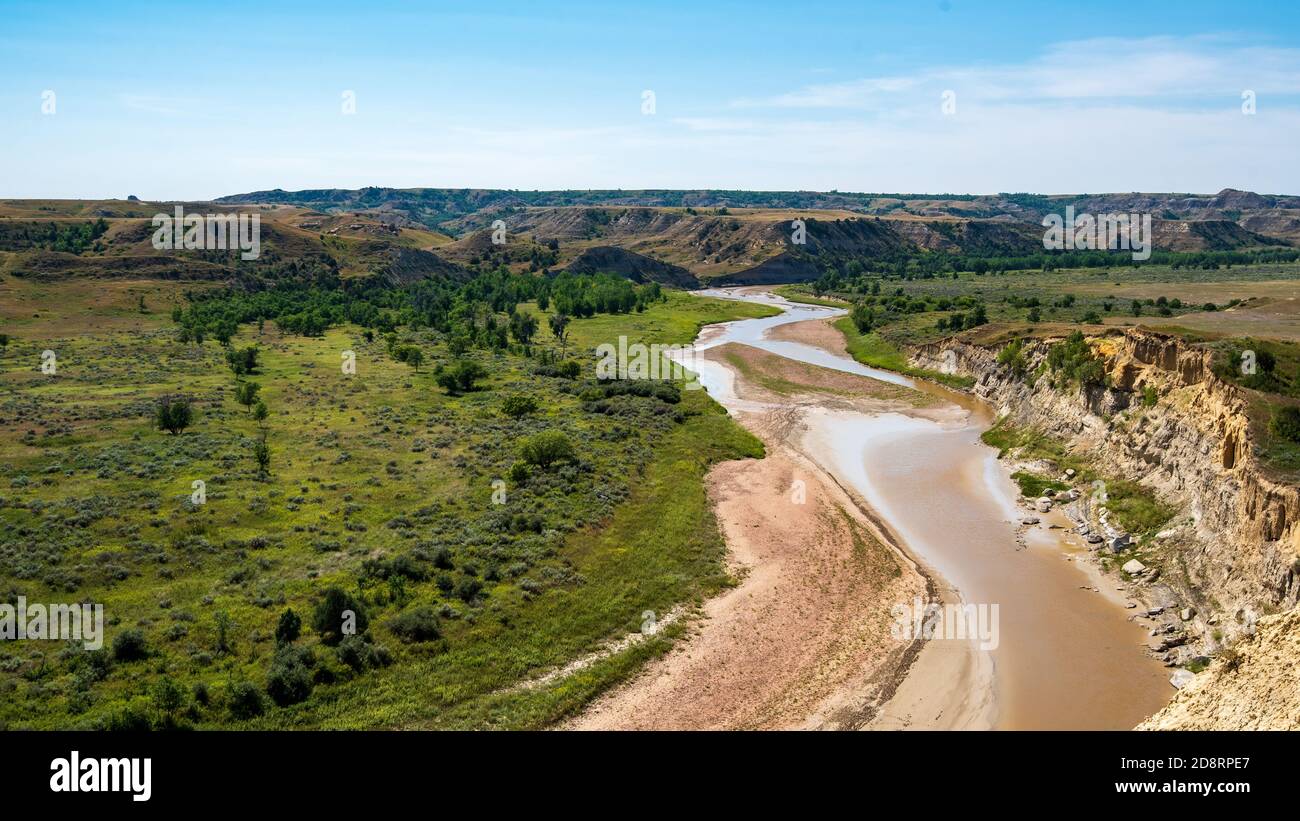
(1231,555)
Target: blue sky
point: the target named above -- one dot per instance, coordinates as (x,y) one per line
(195,101)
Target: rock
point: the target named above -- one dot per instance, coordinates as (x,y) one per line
(1133,567)
(1182,678)
(1155,611)
(1094,538)
(1044,504)
(1030,520)
(1120,542)
(1187,614)
(1131,605)
(1069,472)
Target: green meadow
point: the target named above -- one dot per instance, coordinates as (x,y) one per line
(471,570)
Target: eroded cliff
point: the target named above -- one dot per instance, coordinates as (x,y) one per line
(1229,559)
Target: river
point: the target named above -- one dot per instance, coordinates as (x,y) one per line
(1067,654)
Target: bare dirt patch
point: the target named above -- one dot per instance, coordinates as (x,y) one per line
(816,332)
(803,641)
(768,377)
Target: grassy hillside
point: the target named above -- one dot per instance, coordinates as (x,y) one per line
(380,484)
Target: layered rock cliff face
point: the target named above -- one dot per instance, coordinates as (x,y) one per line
(1255,685)
(1232,553)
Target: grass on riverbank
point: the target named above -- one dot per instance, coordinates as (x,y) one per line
(1134,507)
(875,351)
(801,294)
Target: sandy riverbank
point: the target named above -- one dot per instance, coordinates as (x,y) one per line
(804,640)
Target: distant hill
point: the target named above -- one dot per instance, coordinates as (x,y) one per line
(613,260)
(679,238)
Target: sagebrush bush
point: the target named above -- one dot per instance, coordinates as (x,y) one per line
(417,624)
(129,645)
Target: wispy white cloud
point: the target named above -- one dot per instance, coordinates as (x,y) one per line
(1195,68)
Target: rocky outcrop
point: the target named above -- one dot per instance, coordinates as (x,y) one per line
(1253,686)
(1232,553)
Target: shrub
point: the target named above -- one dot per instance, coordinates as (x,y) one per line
(245,701)
(518,405)
(1286,423)
(129,645)
(328,620)
(1149,396)
(168,696)
(418,624)
(359,654)
(864,319)
(468,588)
(1013,357)
(289,680)
(519,472)
(288,629)
(459,377)
(546,448)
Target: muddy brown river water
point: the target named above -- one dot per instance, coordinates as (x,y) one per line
(1066,654)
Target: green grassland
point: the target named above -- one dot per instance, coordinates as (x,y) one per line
(380,484)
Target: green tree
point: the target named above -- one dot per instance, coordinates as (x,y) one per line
(560,329)
(262,455)
(246,394)
(414,357)
(460,377)
(523,327)
(243,361)
(173,414)
(863,318)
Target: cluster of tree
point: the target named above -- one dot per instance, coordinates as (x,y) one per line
(67,237)
(468,312)
(963,321)
(845,272)
(585,295)
(1073,361)
(874,310)
(1013,358)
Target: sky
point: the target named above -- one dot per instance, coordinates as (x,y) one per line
(194,101)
